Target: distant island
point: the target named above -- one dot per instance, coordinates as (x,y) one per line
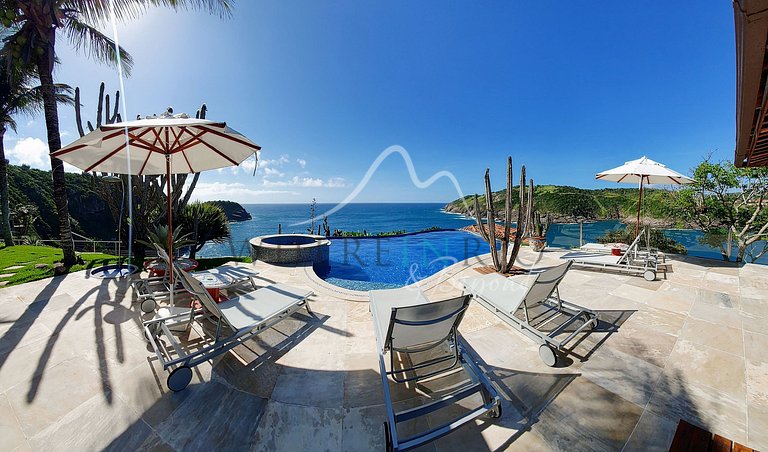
(565,204)
(233,210)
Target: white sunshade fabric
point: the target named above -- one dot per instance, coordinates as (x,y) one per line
(651,172)
(194,145)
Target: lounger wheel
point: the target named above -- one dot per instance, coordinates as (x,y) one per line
(387,438)
(649,275)
(148,305)
(495,413)
(179,378)
(547,355)
(587,320)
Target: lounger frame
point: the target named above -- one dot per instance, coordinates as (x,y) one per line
(556,309)
(633,261)
(178,361)
(479,382)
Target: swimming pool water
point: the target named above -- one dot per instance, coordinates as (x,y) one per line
(388,262)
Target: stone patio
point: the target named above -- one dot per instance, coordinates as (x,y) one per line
(76,373)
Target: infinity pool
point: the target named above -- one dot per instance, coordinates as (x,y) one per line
(389,262)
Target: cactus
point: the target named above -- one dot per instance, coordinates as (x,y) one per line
(326,227)
(148,191)
(504,259)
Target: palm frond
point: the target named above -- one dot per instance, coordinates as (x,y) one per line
(97,11)
(96,44)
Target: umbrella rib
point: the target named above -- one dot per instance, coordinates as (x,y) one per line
(199,140)
(187,160)
(118,149)
(146,160)
(80,146)
(232,138)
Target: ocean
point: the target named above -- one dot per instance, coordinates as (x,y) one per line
(378,217)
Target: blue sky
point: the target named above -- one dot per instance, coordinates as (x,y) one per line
(566,88)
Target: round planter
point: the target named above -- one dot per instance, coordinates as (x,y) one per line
(538,243)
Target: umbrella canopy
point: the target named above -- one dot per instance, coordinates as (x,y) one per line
(159,145)
(643,171)
(195,145)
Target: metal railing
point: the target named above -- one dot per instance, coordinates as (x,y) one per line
(82,244)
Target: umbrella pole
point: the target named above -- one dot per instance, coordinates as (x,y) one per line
(170,223)
(639,203)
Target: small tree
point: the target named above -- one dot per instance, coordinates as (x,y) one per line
(726,198)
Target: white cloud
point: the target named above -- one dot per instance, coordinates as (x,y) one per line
(209,191)
(29,151)
(64,133)
(273,172)
(336,182)
(302,163)
(296,181)
(282,160)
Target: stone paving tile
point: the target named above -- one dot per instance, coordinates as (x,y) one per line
(326,391)
(672,297)
(216,417)
(631,378)
(756,351)
(707,366)
(11,434)
(715,314)
(754,307)
(642,342)
(652,433)
(757,437)
(703,406)
(713,335)
(584,416)
(717,298)
(45,404)
(110,425)
(284,426)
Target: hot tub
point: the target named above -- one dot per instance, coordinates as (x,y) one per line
(286,249)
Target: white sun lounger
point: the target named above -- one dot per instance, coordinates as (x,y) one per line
(536,310)
(405,322)
(237,320)
(634,261)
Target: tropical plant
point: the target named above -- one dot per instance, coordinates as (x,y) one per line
(159,237)
(657,239)
(726,199)
(208,223)
(26,215)
(35,25)
(17,97)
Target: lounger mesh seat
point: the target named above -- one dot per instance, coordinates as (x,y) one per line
(536,310)
(236,321)
(406,323)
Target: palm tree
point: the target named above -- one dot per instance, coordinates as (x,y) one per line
(17,96)
(37,23)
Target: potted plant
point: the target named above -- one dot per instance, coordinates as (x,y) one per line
(538,238)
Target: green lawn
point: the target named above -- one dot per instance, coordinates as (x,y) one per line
(28,256)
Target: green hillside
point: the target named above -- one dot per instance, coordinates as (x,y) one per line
(90,215)
(564,203)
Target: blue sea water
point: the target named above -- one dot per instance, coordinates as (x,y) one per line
(395,261)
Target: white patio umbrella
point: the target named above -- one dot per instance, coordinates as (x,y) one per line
(159,145)
(643,171)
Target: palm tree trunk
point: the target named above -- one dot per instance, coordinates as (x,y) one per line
(45,72)
(5,224)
